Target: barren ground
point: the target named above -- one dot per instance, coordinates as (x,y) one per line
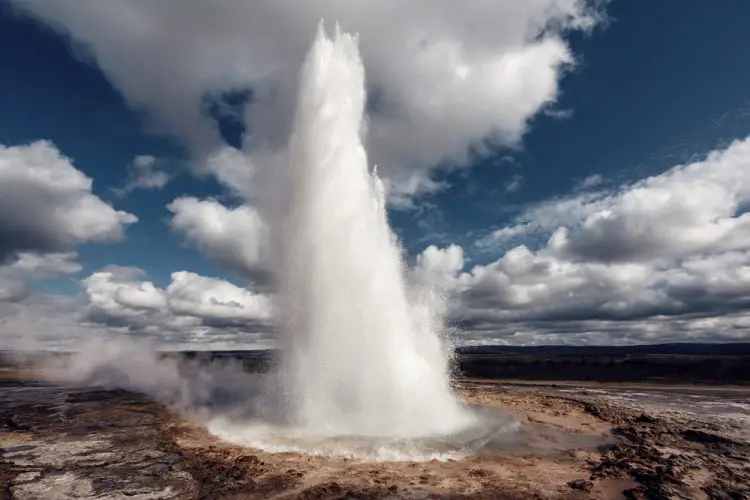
(72,442)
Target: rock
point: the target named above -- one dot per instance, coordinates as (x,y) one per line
(581,484)
(324,490)
(480,472)
(12,425)
(700,436)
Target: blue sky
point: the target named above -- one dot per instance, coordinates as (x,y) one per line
(652,87)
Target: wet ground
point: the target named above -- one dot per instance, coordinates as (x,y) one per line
(68,442)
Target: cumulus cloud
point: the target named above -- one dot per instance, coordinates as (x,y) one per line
(144,172)
(215,300)
(233,238)
(192,308)
(15,276)
(439,265)
(46,204)
(688,209)
(537,297)
(662,259)
(445,79)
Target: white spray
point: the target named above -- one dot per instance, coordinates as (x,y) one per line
(358,358)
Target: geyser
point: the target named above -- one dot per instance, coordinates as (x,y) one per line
(364,371)
(357,358)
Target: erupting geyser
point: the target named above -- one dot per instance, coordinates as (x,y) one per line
(357,359)
(360,363)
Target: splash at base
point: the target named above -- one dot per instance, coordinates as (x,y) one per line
(492,430)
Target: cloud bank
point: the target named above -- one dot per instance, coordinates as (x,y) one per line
(192,308)
(666,258)
(445,79)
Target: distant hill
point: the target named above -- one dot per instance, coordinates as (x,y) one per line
(732,349)
(663,363)
(691,349)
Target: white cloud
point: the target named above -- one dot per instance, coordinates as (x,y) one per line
(688,209)
(15,276)
(444,76)
(538,297)
(144,172)
(558,114)
(192,307)
(440,264)
(590,182)
(662,259)
(46,204)
(12,289)
(36,266)
(118,296)
(46,321)
(673,266)
(233,238)
(233,169)
(216,300)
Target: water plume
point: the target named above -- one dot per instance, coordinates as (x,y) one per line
(358,357)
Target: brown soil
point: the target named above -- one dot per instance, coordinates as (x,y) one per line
(62,442)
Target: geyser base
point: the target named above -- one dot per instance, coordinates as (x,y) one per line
(492,429)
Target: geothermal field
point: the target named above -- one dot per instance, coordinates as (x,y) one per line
(568,440)
(363,398)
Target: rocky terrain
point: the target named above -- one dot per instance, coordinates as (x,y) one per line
(64,442)
(666,452)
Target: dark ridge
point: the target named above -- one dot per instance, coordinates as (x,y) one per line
(732,349)
(663,363)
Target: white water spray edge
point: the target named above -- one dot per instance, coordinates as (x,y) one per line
(364,370)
